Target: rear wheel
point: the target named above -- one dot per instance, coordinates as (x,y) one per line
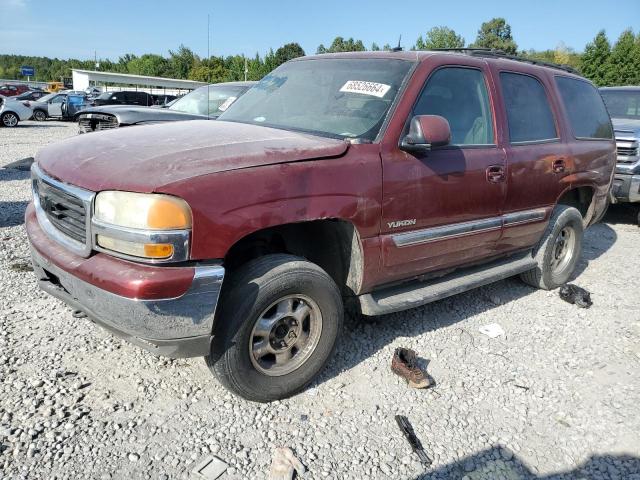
(9,119)
(39,116)
(276,329)
(559,250)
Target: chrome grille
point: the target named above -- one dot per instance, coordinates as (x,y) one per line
(66,212)
(63,211)
(96,122)
(627,151)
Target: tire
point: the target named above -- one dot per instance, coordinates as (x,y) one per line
(563,237)
(9,119)
(263,289)
(39,115)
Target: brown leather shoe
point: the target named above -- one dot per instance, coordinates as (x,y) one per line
(404,364)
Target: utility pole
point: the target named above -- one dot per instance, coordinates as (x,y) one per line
(246,68)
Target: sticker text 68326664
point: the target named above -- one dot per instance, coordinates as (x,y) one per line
(366,88)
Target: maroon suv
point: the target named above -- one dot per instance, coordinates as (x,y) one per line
(381,180)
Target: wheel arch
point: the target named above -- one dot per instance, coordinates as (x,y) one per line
(582,197)
(333,244)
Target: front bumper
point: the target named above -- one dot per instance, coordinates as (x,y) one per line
(172,326)
(626,188)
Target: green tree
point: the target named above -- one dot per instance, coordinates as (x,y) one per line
(439,37)
(496,33)
(182,61)
(595,59)
(623,64)
(339,44)
(148,64)
(375,47)
(288,52)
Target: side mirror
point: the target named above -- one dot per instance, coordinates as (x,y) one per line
(425,132)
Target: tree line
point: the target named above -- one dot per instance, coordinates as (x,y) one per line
(601,61)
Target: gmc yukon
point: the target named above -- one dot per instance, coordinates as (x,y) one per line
(375,181)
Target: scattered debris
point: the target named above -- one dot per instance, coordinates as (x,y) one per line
(404,364)
(492,330)
(416,445)
(21,267)
(575,295)
(78,314)
(284,464)
(210,468)
(23,164)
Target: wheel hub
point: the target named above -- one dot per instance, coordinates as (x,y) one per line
(284,334)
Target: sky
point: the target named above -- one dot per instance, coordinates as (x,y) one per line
(77,29)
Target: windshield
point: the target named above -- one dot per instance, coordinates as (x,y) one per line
(219,99)
(46,98)
(622,103)
(329,97)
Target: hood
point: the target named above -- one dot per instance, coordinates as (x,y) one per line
(146,158)
(130,114)
(626,126)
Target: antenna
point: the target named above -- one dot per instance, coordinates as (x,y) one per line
(398,48)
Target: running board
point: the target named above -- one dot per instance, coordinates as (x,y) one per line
(415,294)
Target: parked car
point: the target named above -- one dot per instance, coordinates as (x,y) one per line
(377,180)
(48,106)
(31,95)
(64,105)
(13,111)
(623,104)
(12,90)
(162,100)
(93,91)
(123,98)
(203,103)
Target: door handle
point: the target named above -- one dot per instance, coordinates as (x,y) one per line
(495,174)
(559,165)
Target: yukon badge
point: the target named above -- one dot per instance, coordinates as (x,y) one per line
(402,223)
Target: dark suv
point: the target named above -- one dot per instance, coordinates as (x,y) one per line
(377,180)
(124,98)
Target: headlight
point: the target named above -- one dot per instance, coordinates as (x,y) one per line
(155,227)
(149,211)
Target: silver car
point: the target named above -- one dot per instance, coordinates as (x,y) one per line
(48,106)
(13,111)
(623,104)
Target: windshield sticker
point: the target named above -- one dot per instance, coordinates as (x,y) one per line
(366,88)
(227,103)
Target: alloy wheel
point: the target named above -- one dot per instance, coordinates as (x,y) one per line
(285,335)
(563,249)
(10,120)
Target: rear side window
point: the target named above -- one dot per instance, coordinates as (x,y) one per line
(587,113)
(528,110)
(459,95)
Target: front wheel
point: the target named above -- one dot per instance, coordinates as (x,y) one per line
(9,119)
(559,250)
(277,327)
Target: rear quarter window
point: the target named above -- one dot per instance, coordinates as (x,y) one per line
(587,113)
(528,111)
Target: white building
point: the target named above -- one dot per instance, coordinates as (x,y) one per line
(83,79)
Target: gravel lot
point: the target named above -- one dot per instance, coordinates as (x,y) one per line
(556,397)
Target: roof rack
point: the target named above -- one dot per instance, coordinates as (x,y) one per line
(494,53)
